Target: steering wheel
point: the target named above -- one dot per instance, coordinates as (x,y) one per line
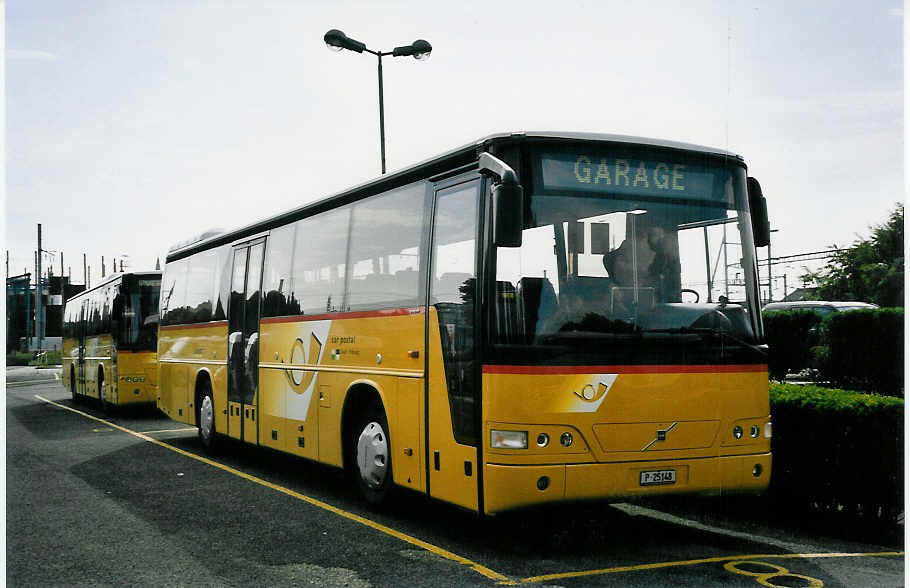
(692,292)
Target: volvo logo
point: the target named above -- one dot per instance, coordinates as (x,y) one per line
(660,435)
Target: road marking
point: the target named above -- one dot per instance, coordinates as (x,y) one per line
(37,382)
(765,577)
(169,431)
(695,562)
(482,570)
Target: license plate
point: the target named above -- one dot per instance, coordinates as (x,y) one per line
(656,477)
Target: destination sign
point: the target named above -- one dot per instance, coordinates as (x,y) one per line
(640,177)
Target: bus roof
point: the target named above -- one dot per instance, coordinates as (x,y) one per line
(113,278)
(439,164)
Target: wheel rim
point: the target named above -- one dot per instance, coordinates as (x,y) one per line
(206,418)
(372,455)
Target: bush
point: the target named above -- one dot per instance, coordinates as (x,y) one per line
(837,451)
(790,335)
(19,357)
(864,350)
(48,358)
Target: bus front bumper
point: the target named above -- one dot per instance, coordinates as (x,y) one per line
(512,486)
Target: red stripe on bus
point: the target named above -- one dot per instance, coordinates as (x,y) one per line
(343,315)
(193,326)
(622,369)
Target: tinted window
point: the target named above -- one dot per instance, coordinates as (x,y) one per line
(136,309)
(385,249)
(276,283)
(222,282)
(318,268)
(173,293)
(200,286)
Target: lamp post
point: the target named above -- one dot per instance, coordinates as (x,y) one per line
(419,49)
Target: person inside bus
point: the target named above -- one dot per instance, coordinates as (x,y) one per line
(658,266)
(664,271)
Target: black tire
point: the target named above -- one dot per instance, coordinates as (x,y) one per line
(102,401)
(205,418)
(372,456)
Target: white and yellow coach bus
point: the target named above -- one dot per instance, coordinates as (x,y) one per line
(110,340)
(531,318)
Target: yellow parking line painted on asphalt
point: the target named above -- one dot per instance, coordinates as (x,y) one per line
(484,571)
(695,562)
(186,430)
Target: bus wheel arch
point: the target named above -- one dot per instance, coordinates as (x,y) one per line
(366,446)
(204,404)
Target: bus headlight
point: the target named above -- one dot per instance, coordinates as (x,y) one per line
(768,430)
(737,432)
(508,439)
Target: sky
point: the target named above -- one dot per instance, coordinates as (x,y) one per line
(135,124)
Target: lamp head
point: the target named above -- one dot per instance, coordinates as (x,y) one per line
(422,50)
(419,50)
(336,40)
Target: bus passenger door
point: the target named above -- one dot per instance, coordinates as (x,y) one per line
(80,345)
(243,342)
(452,379)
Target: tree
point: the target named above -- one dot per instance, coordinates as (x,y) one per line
(871,270)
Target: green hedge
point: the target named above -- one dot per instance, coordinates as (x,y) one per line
(19,357)
(790,335)
(864,350)
(837,451)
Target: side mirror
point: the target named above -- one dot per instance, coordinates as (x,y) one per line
(508,201)
(761,227)
(508,214)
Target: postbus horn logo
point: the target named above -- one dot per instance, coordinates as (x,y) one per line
(589,394)
(301,379)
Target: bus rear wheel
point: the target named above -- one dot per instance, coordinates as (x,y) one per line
(206,419)
(372,455)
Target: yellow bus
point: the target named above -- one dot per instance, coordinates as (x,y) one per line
(110,339)
(530,318)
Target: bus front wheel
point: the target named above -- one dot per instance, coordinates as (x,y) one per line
(105,405)
(207,433)
(373,463)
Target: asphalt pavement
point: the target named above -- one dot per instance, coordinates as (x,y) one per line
(131,499)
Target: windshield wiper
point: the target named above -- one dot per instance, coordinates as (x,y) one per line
(704,331)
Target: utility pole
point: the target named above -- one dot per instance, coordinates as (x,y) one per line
(770,286)
(102,266)
(38,306)
(84,271)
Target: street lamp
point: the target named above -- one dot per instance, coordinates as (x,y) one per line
(336,40)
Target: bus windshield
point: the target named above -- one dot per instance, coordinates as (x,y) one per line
(137,313)
(630,249)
